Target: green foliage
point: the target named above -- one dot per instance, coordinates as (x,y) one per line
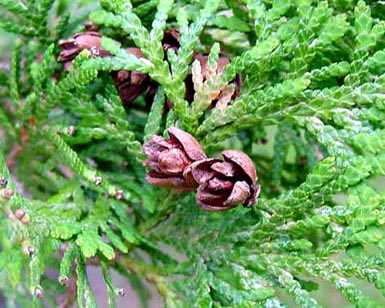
(313,87)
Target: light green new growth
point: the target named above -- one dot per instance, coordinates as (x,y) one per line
(310,114)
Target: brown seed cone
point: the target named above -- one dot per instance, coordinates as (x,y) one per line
(130,84)
(71,47)
(168,159)
(223,184)
(170,40)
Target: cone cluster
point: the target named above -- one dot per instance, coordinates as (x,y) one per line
(180,163)
(131,84)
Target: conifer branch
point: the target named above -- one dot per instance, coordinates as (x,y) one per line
(81,168)
(309,113)
(152,276)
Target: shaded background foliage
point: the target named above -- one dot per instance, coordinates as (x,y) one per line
(310,114)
